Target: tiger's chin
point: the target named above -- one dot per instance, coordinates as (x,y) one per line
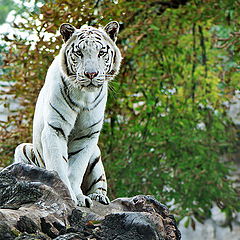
(90,88)
(86,88)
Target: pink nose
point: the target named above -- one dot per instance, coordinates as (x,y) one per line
(90,75)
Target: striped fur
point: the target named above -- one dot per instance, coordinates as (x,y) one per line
(70,111)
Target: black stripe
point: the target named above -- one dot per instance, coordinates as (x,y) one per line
(34,159)
(73,59)
(93,164)
(96,41)
(94,124)
(97,32)
(98,102)
(65,89)
(80,36)
(98,38)
(86,136)
(89,109)
(62,117)
(94,31)
(77,54)
(68,57)
(25,154)
(111,62)
(65,159)
(58,130)
(103,189)
(41,159)
(97,95)
(65,94)
(73,153)
(112,72)
(95,182)
(114,57)
(80,41)
(66,100)
(32,154)
(66,63)
(84,34)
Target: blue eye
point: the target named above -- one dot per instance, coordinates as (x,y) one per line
(79,53)
(101,53)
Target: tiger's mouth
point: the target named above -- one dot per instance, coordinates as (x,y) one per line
(93,83)
(91,87)
(87,84)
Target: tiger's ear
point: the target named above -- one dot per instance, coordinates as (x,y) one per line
(67,31)
(112,29)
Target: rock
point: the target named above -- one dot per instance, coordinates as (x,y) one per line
(133,226)
(30,237)
(25,224)
(35,204)
(144,216)
(13,193)
(69,236)
(6,232)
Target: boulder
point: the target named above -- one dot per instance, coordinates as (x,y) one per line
(35,204)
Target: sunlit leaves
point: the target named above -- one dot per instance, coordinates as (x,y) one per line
(174,113)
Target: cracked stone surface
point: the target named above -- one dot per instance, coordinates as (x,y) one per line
(35,204)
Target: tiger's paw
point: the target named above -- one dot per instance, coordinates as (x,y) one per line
(100,198)
(84,201)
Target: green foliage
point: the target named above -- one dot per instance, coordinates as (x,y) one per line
(166,123)
(19,8)
(6,7)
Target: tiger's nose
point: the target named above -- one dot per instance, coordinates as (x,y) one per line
(91,75)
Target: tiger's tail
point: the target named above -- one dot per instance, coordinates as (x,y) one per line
(24,154)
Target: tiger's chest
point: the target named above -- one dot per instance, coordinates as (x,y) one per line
(89,120)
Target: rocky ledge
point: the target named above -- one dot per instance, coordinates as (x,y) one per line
(35,204)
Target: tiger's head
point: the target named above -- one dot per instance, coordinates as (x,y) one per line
(89,56)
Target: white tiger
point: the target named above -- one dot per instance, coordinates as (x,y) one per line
(70,110)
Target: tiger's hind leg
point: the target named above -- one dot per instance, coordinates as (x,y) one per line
(24,154)
(95,183)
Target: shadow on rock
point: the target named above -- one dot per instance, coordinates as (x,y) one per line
(35,204)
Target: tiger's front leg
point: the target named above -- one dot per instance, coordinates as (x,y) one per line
(54,147)
(83,162)
(95,183)
(78,162)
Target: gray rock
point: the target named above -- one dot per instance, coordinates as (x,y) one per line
(13,193)
(31,237)
(35,204)
(133,226)
(69,236)
(6,232)
(25,224)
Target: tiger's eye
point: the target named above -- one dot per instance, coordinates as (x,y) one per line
(101,53)
(79,53)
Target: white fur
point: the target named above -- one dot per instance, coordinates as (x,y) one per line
(64,112)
